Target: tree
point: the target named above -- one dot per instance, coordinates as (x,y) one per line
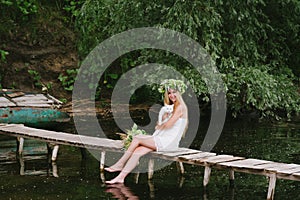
(250,46)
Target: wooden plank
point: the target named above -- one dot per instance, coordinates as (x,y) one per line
(38,105)
(212,160)
(289,171)
(196,156)
(41,98)
(296,174)
(280,167)
(4,102)
(246,163)
(220,158)
(15,94)
(8,104)
(36,101)
(271,165)
(54,99)
(3,99)
(30,96)
(180,152)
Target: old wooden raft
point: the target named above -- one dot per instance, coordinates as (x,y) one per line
(273,170)
(17,107)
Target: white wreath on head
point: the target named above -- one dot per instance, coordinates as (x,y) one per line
(177,85)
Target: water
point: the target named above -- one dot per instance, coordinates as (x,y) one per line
(34,178)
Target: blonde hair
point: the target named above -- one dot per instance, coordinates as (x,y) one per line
(182,103)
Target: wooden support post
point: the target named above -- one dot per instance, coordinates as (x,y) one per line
(83,153)
(150,168)
(54,170)
(102,161)
(20,145)
(54,152)
(272,183)
(102,177)
(22,165)
(207,172)
(136,177)
(180,167)
(181,181)
(101,165)
(231,177)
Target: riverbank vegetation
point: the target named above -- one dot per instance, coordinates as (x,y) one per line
(255,44)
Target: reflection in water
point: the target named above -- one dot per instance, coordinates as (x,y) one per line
(151,189)
(37,172)
(120,191)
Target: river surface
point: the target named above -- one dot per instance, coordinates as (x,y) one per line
(32,177)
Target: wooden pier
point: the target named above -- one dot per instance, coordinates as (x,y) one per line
(209,160)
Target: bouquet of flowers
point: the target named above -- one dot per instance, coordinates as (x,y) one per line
(127,138)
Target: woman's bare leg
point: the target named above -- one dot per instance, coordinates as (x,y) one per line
(138,140)
(131,164)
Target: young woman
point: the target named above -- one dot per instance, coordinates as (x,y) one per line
(166,136)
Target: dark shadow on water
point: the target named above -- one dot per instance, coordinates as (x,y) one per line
(121,192)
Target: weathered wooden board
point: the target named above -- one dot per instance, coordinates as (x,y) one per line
(61,138)
(173,155)
(21,99)
(4,102)
(297,174)
(27,97)
(289,171)
(220,159)
(247,163)
(180,152)
(37,104)
(271,165)
(3,99)
(196,156)
(36,101)
(15,94)
(279,167)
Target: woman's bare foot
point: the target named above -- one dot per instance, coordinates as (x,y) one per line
(114,168)
(110,169)
(115,181)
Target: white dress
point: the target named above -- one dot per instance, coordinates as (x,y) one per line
(168,139)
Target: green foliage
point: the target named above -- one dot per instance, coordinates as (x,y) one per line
(73,7)
(27,7)
(67,79)
(19,9)
(256,89)
(64,100)
(36,77)
(253,43)
(110,79)
(3,55)
(285,28)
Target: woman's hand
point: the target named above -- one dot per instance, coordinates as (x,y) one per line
(157,127)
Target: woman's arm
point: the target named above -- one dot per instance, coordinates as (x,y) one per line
(176,115)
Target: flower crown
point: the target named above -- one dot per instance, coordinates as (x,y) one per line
(178,85)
